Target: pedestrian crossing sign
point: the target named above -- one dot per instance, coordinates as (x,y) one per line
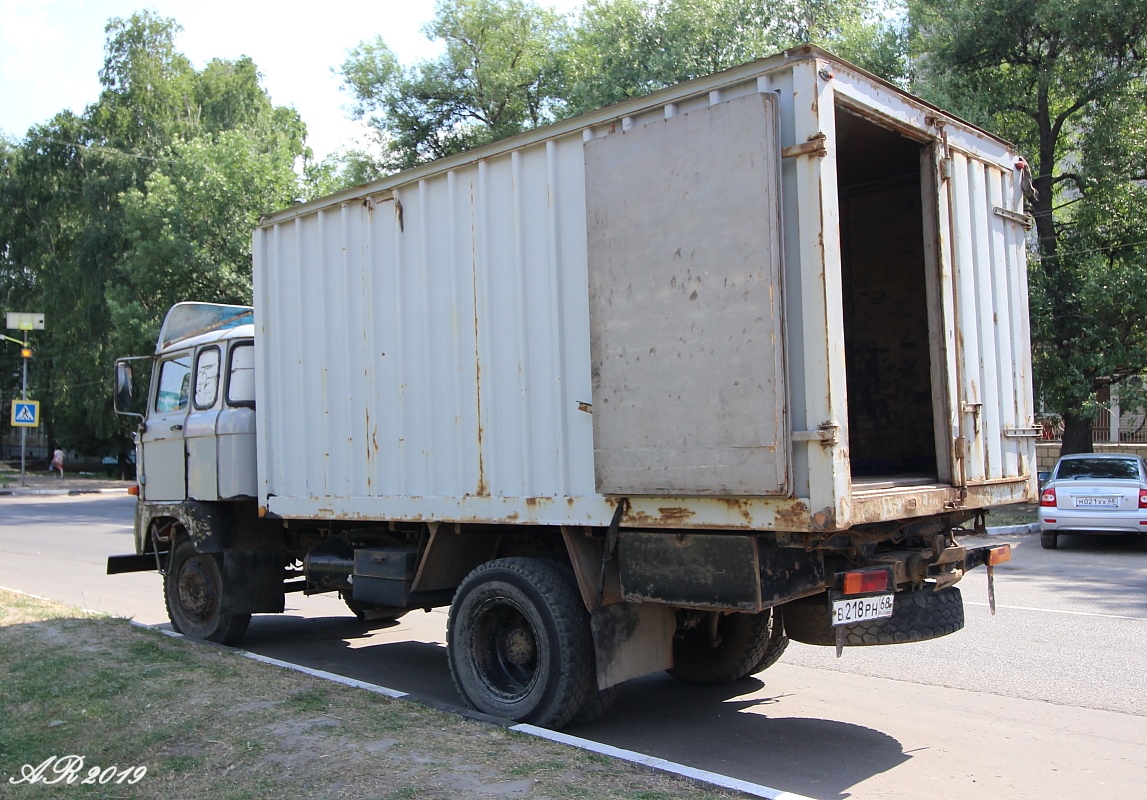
(25,413)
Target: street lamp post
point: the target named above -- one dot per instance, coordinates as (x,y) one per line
(24,322)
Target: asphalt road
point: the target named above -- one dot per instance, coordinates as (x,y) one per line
(1046,699)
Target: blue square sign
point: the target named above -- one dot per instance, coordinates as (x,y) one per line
(25,413)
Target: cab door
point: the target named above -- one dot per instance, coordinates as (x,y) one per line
(164,456)
(199,431)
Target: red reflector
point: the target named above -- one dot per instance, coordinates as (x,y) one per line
(1050,520)
(998,555)
(1047,499)
(133,490)
(865,581)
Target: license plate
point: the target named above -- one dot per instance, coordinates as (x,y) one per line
(1097,502)
(859,609)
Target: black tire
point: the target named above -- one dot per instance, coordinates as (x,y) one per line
(368,612)
(917,616)
(776,644)
(1048,540)
(597,704)
(193,594)
(519,643)
(744,644)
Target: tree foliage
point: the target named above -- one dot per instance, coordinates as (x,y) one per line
(627,48)
(1065,81)
(496,77)
(147,198)
(511,65)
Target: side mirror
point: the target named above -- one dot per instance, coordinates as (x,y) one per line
(123,400)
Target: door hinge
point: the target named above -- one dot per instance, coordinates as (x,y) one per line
(826,434)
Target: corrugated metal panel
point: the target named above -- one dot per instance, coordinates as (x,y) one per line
(444,346)
(991,306)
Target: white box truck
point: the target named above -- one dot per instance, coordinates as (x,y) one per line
(658,387)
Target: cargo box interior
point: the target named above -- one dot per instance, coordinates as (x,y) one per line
(886,308)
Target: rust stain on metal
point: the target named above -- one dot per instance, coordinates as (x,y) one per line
(737,506)
(793,516)
(666,515)
(398,213)
(824,520)
(483,489)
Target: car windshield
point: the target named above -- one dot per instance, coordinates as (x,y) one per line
(1117,468)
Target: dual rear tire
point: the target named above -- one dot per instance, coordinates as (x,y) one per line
(520,644)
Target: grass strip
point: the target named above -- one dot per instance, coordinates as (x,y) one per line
(207,723)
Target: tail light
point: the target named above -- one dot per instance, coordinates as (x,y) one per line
(866,581)
(1143,498)
(1047,498)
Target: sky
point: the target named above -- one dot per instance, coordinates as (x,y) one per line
(51,51)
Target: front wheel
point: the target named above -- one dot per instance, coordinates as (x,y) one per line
(519,642)
(193,593)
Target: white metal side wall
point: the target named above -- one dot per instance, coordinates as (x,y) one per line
(444,348)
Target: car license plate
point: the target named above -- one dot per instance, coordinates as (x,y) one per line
(859,609)
(1097,502)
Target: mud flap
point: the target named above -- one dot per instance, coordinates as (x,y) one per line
(631,640)
(253,581)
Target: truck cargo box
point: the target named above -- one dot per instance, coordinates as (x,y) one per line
(786,297)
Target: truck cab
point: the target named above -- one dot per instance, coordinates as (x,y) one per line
(197,437)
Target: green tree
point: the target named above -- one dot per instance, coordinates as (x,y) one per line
(496,77)
(146,198)
(627,48)
(1065,81)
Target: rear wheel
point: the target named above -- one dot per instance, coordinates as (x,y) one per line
(193,593)
(711,648)
(1049,540)
(916,616)
(519,643)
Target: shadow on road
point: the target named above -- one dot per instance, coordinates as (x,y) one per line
(733,730)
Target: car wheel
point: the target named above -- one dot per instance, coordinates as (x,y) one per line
(1049,540)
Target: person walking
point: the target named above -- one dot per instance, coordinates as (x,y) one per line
(57,462)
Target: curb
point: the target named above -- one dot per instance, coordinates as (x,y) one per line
(638,759)
(22,492)
(1013,530)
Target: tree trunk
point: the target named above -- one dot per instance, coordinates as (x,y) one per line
(1076,434)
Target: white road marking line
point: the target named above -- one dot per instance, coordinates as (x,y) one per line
(754,789)
(1058,611)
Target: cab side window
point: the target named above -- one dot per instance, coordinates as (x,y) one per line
(174,391)
(241,375)
(207,378)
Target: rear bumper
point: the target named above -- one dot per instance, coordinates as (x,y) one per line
(1057,519)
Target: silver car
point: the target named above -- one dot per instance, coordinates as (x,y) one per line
(1094,493)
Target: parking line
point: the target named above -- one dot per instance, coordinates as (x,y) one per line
(1059,611)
